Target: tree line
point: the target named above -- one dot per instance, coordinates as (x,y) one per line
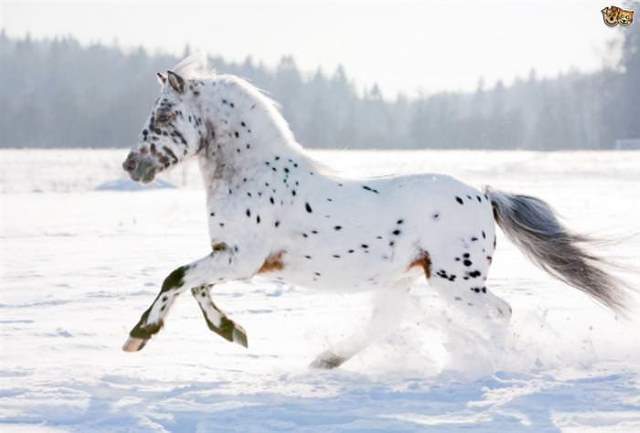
(60,93)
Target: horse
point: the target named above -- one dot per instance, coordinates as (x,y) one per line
(275,212)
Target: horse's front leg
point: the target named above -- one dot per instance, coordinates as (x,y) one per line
(216,319)
(220,266)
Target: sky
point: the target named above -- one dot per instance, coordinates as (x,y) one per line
(406,46)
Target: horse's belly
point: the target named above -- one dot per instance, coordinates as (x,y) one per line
(349,274)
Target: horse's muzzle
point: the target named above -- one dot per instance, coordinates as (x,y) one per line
(141,169)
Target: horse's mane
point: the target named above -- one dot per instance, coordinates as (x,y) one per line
(194,67)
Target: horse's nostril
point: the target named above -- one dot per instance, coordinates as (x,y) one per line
(129,164)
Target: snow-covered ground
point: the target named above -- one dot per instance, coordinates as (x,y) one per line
(79,266)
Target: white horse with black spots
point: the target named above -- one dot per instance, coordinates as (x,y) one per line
(273,211)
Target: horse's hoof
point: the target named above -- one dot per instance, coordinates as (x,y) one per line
(134,344)
(240,336)
(327,361)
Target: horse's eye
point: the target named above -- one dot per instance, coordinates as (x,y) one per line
(164,117)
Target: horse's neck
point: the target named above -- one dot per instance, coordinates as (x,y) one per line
(247,136)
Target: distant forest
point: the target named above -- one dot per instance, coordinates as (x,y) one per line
(60,93)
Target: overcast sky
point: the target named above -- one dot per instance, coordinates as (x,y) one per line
(407,46)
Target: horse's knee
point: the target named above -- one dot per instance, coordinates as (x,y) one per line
(200,292)
(175,279)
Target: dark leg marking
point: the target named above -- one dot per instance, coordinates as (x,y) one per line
(228,329)
(143,330)
(175,279)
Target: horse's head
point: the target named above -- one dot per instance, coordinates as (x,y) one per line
(173,132)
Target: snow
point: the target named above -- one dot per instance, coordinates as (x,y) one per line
(79,266)
(130,185)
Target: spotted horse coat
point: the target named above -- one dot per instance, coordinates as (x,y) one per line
(274,211)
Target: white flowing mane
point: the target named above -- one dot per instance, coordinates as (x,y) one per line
(195,67)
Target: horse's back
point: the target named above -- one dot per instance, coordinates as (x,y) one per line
(438,211)
(418,198)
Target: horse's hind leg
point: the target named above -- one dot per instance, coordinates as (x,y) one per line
(388,307)
(471,297)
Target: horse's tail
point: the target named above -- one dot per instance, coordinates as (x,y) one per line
(531,224)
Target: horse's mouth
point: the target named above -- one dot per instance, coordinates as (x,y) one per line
(144,177)
(141,170)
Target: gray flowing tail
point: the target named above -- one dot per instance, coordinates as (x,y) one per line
(531,224)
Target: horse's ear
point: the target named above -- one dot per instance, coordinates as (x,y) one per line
(176,81)
(162,79)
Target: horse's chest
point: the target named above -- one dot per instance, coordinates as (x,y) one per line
(238,217)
